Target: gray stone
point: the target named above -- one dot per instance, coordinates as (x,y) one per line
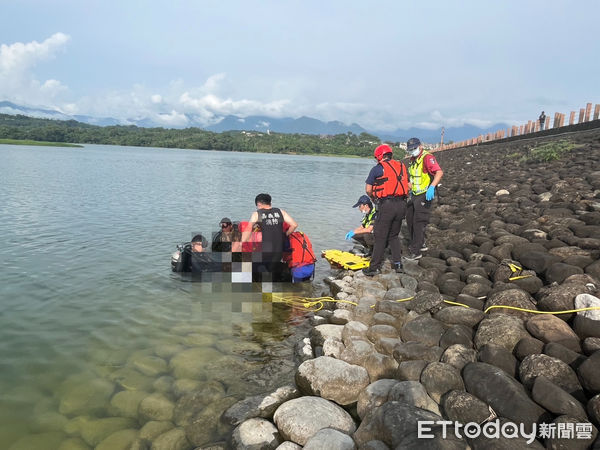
(459,315)
(593,409)
(375,394)
(498,356)
(300,419)
(174,439)
(511,297)
(549,328)
(502,392)
(458,355)
(460,406)
(559,443)
(357,351)
(380,366)
(457,334)
(391,423)
(591,345)
(566,355)
(119,440)
(262,406)
(554,369)
(528,346)
(558,272)
(408,351)
(319,333)
(413,393)
(426,301)
(439,378)
(353,330)
(398,293)
(410,370)
(587,323)
(589,372)
(423,329)
(500,329)
(556,400)
(255,434)
(332,379)
(330,439)
(333,347)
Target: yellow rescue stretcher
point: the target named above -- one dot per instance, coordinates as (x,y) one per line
(345,259)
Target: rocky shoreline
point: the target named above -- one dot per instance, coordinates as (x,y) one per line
(506,231)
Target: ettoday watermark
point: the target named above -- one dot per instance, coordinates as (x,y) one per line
(509,430)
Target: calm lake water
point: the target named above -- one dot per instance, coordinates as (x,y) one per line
(88,304)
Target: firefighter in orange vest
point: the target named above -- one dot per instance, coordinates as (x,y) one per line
(387,185)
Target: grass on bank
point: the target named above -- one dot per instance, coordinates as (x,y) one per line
(550,151)
(39,143)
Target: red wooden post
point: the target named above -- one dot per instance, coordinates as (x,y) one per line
(588,112)
(572,118)
(581,114)
(597,112)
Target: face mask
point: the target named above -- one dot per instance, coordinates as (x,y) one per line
(415,152)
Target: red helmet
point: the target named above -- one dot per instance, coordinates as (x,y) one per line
(382,150)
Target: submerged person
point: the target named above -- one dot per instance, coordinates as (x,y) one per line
(223,240)
(364,233)
(271,222)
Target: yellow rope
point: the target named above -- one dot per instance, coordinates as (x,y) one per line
(543,312)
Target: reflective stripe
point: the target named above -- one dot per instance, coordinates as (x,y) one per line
(418,177)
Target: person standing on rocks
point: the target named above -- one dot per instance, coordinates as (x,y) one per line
(542,120)
(387,186)
(425,175)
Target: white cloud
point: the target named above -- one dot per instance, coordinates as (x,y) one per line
(17,80)
(156,99)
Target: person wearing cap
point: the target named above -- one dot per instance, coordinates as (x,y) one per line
(223,239)
(364,233)
(425,176)
(387,186)
(200,260)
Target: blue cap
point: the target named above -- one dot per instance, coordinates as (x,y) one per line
(413,143)
(363,200)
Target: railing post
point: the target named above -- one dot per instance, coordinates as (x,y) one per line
(597,112)
(581,114)
(572,118)
(588,112)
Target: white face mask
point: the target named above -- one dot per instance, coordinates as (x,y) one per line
(415,152)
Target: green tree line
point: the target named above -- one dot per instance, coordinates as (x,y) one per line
(71,131)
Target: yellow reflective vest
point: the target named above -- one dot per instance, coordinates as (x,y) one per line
(418,177)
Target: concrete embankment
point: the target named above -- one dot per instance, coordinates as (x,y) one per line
(507,231)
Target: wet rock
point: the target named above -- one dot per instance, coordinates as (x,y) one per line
(555,399)
(588,373)
(68,444)
(554,369)
(500,329)
(565,354)
(391,423)
(254,434)
(587,323)
(330,439)
(191,363)
(457,334)
(460,406)
(319,333)
(374,395)
(261,406)
(408,351)
(458,356)
(40,441)
(95,431)
(300,419)
(174,439)
(459,315)
(203,427)
(423,329)
(189,406)
(558,272)
(156,407)
(413,393)
(153,429)
(511,297)
(558,442)
(151,366)
(126,403)
(410,370)
(500,357)
(84,396)
(439,378)
(120,440)
(528,346)
(549,328)
(502,392)
(332,379)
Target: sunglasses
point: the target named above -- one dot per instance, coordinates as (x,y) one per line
(225,225)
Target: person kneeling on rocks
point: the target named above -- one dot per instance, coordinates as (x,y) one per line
(364,233)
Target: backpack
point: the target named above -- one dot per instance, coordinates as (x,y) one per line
(301,251)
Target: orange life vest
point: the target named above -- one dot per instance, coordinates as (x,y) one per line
(301,251)
(394,182)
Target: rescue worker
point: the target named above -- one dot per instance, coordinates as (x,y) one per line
(364,233)
(387,186)
(425,176)
(271,222)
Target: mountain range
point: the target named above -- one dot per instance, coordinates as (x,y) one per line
(304,125)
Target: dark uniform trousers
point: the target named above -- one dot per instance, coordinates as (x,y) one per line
(391,212)
(418,213)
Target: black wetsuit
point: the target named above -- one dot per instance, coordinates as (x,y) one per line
(271,223)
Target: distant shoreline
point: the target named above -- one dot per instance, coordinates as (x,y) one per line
(38,143)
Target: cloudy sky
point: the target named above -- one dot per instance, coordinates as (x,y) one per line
(385,64)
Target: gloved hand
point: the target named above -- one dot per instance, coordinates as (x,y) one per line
(349,235)
(430,194)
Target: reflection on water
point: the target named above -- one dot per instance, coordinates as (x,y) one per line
(98,339)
